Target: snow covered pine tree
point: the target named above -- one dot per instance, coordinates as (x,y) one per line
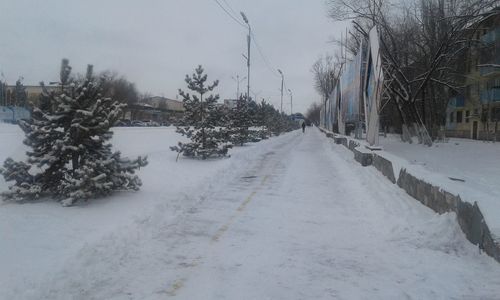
(71,157)
(239,123)
(200,120)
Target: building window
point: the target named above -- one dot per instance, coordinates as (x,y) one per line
(468,91)
(495,114)
(467,116)
(459,116)
(451,117)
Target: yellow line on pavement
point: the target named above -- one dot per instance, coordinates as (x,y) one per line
(264,180)
(179,284)
(247,200)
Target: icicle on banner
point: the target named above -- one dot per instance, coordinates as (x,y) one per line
(373,88)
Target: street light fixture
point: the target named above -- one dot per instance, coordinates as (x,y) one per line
(282,81)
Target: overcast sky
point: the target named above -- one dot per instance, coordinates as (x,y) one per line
(155,43)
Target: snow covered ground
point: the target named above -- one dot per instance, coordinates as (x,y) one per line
(293,217)
(477,163)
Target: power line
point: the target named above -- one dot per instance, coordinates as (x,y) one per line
(230,7)
(264,58)
(229,14)
(254,40)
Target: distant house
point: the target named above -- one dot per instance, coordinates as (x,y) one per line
(165,103)
(158,109)
(230,103)
(8,94)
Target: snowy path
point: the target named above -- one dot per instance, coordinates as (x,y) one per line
(307,228)
(293,218)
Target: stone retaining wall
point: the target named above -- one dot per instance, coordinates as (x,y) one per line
(469,215)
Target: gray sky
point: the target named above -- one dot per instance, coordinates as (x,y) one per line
(156,43)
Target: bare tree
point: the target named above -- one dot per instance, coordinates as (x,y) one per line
(326,72)
(421,42)
(313,113)
(119,88)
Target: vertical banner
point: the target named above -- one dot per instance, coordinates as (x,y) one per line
(350,82)
(322,116)
(373,88)
(333,107)
(340,118)
(328,121)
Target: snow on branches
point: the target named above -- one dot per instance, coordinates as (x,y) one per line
(200,121)
(71,156)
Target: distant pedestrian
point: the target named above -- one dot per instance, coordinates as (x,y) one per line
(303,126)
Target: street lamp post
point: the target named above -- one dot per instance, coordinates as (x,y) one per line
(282,81)
(238,80)
(291,102)
(255,95)
(249,36)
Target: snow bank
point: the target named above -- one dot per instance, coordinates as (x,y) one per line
(462,167)
(465,167)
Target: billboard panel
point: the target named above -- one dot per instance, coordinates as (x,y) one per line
(350,82)
(373,88)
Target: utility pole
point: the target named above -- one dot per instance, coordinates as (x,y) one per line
(282,81)
(249,37)
(291,102)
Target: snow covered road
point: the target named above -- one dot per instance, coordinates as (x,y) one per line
(290,218)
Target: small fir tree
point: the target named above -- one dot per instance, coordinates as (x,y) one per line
(20,93)
(260,114)
(71,157)
(201,116)
(239,123)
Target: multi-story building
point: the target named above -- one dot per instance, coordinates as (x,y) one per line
(475,113)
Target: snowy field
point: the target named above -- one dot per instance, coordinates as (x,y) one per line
(294,217)
(477,163)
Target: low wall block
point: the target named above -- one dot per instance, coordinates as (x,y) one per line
(352,145)
(365,159)
(384,166)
